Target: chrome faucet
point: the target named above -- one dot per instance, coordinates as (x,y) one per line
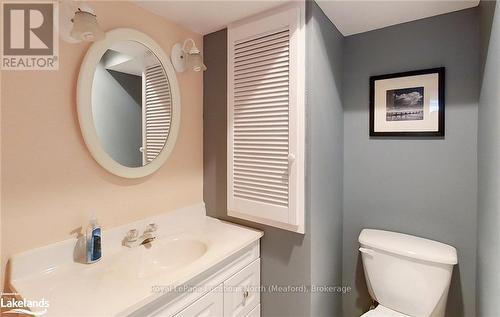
(132,238)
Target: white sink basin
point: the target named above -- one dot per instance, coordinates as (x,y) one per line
(162,256)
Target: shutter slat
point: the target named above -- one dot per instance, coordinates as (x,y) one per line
(162,95)
(263,79)
(278,178)
(254,65)
(260,199)
(250,179)
(252,46)
(274,35)
(262,91)
(276,192)
(264,105)
(270,53)
(261,194)
(280,70)
(260,83)
(261,161)
(259,95)
(260,48)
(263,101)
(157,98)
(161,126)
(248,125)
(264,166)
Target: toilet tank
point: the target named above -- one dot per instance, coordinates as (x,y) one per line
(405,273)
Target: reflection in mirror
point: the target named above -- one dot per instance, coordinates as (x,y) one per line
(131,104)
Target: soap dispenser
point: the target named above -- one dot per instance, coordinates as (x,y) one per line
(94,251)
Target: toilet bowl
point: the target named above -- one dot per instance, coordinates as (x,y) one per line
(408,276)
(382,311)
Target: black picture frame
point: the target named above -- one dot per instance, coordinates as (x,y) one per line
(441,99)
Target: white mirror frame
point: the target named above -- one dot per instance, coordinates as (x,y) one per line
(84,103)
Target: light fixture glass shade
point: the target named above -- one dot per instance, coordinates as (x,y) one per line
(85,27)
(196,62)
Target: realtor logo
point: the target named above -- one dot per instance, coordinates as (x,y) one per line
(29,36)
(11,304)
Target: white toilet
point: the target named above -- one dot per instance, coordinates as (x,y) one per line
(406,275)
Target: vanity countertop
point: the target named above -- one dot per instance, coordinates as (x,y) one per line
(188,244)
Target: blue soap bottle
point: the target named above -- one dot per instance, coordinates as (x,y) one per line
(94,250)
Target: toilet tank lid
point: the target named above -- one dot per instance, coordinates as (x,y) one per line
(409,246)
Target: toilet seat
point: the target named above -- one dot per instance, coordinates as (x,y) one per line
(382,311)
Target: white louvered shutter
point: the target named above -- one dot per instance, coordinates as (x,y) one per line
(157,112)
(266,119)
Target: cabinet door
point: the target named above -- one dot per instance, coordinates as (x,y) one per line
(266,118)
(210,305)
(255,312)
(241,291)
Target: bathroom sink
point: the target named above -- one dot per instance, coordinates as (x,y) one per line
(163,256)
(188,244)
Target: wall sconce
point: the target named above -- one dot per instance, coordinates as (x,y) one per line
(183,59)
(85,27)
(78,23)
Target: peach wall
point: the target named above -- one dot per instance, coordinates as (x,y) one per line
(50,182)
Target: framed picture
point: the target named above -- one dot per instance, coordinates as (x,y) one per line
(408,104)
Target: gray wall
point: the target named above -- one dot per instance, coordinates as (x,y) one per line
(424,187)
(435,199)
(488,259)
(118,116)
(325,134)
(287,258)
(486,11)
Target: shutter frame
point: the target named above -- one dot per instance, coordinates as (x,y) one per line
(255,51)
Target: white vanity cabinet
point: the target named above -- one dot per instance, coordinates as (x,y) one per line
(209,305)
(230,288)
(255,312)
(241,293)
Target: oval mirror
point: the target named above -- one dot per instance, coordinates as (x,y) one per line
(128,103)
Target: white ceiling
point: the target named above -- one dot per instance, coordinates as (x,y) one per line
(206,16)
(350,16)
(129,57)
(354,16)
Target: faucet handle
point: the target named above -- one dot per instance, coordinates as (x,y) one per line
(152,227)
(132,235)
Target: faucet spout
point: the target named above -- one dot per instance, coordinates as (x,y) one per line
(132,238)
(148,240)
